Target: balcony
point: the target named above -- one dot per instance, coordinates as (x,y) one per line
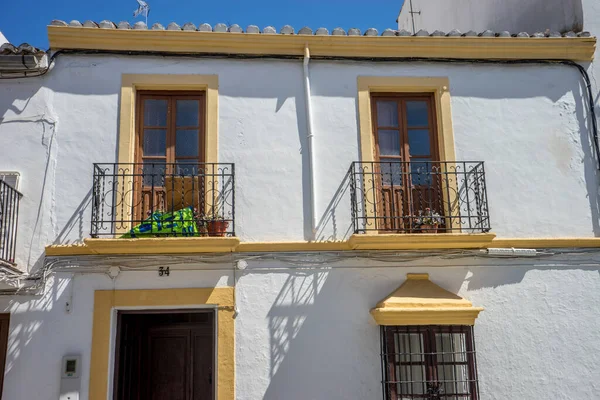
(419,197)
(9,216)
(158,199)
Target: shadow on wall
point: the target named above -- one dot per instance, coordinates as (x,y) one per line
(322,339)
(325,345)
(76,222)
(335,224)
(590,158)
(31,327)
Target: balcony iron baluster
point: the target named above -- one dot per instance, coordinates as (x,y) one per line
(166,199)
(451,193)
(10,200)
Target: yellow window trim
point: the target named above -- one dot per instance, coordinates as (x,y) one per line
(418,301)
(131,83)
(440,87)
(106,301)
(576,49)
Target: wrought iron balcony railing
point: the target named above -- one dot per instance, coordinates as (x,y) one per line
(161,199)
(9,218)
(419,197)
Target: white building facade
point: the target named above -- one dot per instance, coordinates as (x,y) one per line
(235,211)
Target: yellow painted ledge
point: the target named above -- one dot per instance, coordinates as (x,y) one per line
(576,49)
(418,301)
(421,241)
(356,242)
(546,243)
(251,247)
(175,245)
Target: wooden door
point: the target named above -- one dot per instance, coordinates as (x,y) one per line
(165,356)
(170,149)
(407,152)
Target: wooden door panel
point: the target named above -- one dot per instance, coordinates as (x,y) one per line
(184,191)
(152,200)
(202,354)
(394,209)
(168,358)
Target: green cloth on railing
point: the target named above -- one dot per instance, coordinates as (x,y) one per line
(178,223)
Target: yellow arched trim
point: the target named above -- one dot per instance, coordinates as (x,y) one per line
(105,301)
(421,302)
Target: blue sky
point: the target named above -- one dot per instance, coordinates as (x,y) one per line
(26,21)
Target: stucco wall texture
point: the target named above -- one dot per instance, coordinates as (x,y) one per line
(308,334)
(497,15)
(527,123)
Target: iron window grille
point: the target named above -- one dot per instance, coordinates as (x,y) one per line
(428,362)
(160,198)
(401,196)
(9,218)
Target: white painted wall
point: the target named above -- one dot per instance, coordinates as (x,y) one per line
(308,334)
(3,39)
(526,122)
(497,15)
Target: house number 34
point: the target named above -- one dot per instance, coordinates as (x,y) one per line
(164,271)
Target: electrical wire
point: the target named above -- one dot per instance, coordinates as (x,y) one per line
(41,276)
(584,74)
(298,262)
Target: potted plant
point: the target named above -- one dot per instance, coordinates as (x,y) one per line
(428,221)
(216,225)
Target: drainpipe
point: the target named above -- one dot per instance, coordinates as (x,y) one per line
(309,139)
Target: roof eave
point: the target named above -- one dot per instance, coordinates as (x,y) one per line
(513,48)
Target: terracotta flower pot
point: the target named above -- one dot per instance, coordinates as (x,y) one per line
(426,228)
(217,228)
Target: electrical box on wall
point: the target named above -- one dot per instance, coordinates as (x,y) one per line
(70,378)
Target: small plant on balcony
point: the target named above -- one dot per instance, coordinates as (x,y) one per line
(428,221)
(216,224)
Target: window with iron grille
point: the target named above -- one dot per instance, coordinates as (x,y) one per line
(429,362)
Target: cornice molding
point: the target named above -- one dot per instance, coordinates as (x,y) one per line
(501,48)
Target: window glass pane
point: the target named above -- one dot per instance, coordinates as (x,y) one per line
(410,355)
(154,173)
(389,142)
(421,172)
(155,142)
(387,113)
(391,172)
(187,112)
(454,347)
(416,113)
(452,366)
(187,167)
(410,347)
(453,379)
(418,142)
(186,143)
(413,380)
(155,112)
